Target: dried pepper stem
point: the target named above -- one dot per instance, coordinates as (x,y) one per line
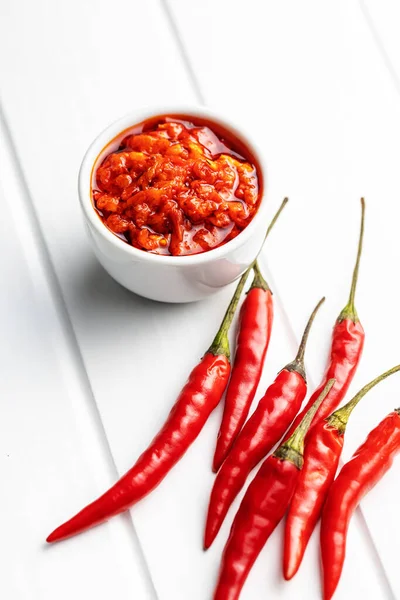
(298,363)
(341,416)
(349,311)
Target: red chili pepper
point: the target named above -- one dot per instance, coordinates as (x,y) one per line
(262,508)
(200,395)
(255,325)
(321,458)
(367,466)
(346,349)
(273,415)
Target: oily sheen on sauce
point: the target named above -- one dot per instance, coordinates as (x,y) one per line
(176,186)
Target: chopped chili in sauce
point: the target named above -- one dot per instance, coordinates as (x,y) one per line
(170,186)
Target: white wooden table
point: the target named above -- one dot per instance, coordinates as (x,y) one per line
(78,396)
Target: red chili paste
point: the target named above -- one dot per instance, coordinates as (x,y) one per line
(170,186)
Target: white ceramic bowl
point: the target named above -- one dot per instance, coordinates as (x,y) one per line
(171,278)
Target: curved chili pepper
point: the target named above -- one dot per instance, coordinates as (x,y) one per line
(262,508)
(273,415)
(198,398)
(321,458)
(254,333)
(367,466)
(346,349)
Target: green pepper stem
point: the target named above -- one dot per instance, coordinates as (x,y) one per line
(298,363)
(340,417)
(276,217)
(349,311)
(220,344)
(259,281)
(293,448)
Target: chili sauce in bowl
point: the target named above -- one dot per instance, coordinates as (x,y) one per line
(176,185)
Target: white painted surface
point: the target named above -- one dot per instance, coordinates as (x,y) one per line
(81,390)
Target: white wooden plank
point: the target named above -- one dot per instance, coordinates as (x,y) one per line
(310,79)
(51,440)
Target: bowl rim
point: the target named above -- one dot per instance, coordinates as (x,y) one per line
(137,116)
